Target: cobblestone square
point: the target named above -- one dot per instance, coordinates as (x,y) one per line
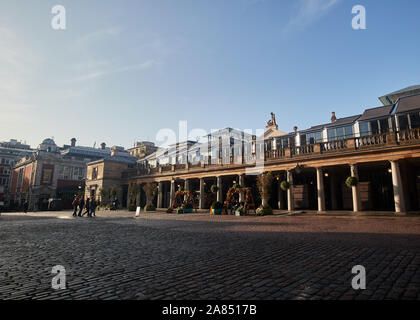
(199,256)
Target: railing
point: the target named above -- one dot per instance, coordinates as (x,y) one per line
(372,140)
(302,150)
(330,147)
(408,136)
(275,154)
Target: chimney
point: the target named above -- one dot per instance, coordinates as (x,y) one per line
(333,117)
(295,129)
(73,142)
(103,145)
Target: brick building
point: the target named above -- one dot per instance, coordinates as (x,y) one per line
(52,172)
(10,152)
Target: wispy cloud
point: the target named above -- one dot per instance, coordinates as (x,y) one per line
(109,71)
(307,12)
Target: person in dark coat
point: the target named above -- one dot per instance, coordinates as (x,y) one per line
(25,206)
(81,206)
(75,204)
(92,208)
(87,207)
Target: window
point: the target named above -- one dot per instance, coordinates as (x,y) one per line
(340,133)
(64,173)
(94,173)
(332,135)
(46,175)
(403,122)
(414,120)
(374,127)
(78,173)
(384,125)
(303,139)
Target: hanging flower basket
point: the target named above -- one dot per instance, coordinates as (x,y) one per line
(285,185)
(351,182)
(214,189)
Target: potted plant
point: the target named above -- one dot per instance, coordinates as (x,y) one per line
(351,182)
(264,184)
(285,185)
(149,207)
(169,210)
(187,208)
(264,211)
(216,208)
(239,211)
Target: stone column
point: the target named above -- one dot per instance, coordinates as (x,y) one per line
(279,195)
(201,200)
(357,205)
(290,201)
(320,189)
(160,195)
(400,206)
(186,187)
(333,192)
(138,195)
(242,184)
(219,192)
(172,192)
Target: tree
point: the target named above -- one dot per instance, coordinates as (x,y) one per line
(114,191)
(133,191)
(104,193)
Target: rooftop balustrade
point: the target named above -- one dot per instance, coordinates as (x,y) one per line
(355,144)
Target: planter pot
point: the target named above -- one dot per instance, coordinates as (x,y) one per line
(180,211)
(239,213)
(217,211)
(188,210)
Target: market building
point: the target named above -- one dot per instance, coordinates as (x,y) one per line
(379,147)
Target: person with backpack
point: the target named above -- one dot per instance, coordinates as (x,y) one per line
(75,204)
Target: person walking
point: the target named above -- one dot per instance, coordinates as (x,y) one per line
(75,204)
(92,208)
(87,207)
(81,206)
(25,206)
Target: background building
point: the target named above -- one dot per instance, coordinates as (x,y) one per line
(52,172)
(10,152)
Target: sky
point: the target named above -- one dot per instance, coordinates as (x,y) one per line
(123,70)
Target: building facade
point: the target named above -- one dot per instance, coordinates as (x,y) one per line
(52,172)
(105,173)
(10,152)
(379,147)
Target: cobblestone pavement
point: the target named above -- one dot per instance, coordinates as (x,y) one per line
(198,256)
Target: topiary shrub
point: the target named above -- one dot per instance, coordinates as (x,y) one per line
(264,211)
(217,205)
(285,185)
(351,182)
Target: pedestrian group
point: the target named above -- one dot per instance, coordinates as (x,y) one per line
(79,204)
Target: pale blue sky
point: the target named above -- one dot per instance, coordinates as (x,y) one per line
(125,69)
